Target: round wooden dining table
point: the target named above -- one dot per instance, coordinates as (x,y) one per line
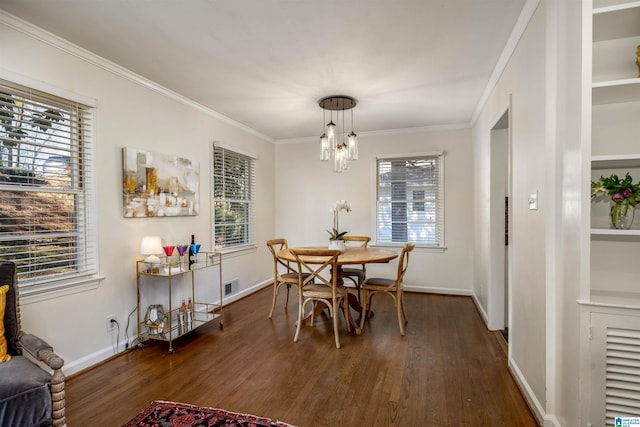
(350,255)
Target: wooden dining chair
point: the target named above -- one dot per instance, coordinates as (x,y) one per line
(316,288)
(391,287)
(356,274)
(283,273)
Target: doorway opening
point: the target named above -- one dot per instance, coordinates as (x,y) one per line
(500,183)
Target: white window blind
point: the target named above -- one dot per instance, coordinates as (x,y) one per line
(233,187)
(409,200)
(45,171)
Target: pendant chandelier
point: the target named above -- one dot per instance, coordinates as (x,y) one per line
(335,144)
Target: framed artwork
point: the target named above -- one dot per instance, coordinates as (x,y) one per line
(155,184)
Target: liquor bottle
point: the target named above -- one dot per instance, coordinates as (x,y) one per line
(189,315)
(192,256)
(181,318)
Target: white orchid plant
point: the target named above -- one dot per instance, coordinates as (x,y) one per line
(338,205)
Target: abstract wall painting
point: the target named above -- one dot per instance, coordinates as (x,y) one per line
(156,185)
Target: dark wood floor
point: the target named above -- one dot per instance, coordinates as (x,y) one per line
(447,371)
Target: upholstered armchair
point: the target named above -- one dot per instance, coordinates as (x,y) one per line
(29,395)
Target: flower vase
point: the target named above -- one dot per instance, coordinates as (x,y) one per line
(622,216)
(336,244)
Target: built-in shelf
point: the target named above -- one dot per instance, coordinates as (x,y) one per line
(597,302)
(603,4)
(614,232)
(616,22)
(616,91)
(617,161)
(610,295)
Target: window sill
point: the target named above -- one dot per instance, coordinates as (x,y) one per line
(237,251)
(36,293)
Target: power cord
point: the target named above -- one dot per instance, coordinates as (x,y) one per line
(117,335)
(126,329)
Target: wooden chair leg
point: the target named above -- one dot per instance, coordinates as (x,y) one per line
(334,303)
(399,309)
(313,313)
(404,309)
(347,314)
(300,316)
(286,303)
(273,302)
(365,305)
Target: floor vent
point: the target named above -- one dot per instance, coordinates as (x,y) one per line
(623,374)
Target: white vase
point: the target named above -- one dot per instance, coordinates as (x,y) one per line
(336,244)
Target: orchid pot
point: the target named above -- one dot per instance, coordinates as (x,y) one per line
(336,244)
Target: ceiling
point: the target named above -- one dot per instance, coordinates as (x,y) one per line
(266,63)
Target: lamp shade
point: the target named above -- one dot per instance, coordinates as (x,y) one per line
(152,246)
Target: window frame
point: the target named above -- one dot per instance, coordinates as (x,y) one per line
(250,243)
(440,221)
(44,288)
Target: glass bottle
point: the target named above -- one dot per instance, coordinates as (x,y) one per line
(189,317)
(181,318)
(192,257)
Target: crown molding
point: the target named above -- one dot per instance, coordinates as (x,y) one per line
(57,42)
(518,30)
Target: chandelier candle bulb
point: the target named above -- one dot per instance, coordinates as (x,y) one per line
(331,134)
(353,146)
(324,147)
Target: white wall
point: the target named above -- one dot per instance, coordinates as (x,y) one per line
(130,113)
(524,80)
(307,187)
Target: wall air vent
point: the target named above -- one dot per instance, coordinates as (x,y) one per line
(230,287)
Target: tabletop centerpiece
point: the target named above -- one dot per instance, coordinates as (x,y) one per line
(624,196)
(335,235)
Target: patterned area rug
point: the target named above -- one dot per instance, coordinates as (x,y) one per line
(161,413)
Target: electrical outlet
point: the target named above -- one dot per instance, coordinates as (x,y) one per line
(111,322)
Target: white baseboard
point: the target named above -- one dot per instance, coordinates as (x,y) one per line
(542,417)
(480,308)
(91,359)
(434,290)
(538,410)
(246,292)
(551,421)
